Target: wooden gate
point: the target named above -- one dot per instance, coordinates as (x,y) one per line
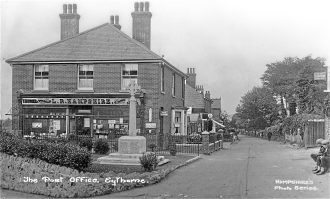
(314,129)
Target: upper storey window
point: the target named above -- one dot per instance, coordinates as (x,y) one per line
(173,85)
(129,75)
(86,76)
(162,79)
(41,79)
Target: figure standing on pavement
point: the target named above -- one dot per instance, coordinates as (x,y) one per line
(269,135)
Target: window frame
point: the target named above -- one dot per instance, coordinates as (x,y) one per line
(183,87)
(129,75)
(34,77)
(78,78)
(162,77)
(173,85)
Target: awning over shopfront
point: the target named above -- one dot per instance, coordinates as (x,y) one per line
(218,123)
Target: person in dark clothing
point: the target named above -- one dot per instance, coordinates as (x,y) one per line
(316,156)
(269,135)
(324,158)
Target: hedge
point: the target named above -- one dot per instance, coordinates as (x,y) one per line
(63,154)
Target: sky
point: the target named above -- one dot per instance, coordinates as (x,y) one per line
(228,42)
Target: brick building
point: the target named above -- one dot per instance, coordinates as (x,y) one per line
(198,102)
(78,84)
(216,109)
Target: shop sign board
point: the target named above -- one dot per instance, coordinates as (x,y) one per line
(320,76)
(163,113)
(76,101)
(150,125)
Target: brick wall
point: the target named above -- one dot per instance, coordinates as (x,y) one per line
(22,77)
(63,78)
(107,78)
(207,105)
(166,99)
(149,80)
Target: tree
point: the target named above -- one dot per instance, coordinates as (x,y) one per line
(309,92)
(258,109)
(291,80)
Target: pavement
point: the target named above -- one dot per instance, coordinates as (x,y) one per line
(251,168)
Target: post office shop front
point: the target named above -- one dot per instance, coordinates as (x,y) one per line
(100,116)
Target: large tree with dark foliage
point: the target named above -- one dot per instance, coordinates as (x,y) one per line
(292,81)
(258,108)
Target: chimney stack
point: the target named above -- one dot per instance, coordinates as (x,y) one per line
(191,80)
(200,89)
(207,95)
(69,21)
(114,20)
(142,23)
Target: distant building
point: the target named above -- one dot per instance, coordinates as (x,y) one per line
(199,104)
(216,108)
(78,84)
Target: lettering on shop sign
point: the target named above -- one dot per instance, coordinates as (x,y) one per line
(76,101)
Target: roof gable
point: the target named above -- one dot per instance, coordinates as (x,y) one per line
(193,98)
(103,43)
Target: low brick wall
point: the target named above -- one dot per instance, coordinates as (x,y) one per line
(33,176)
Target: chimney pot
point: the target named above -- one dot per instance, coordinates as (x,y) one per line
(141,6)
(74,8)
(65,9)
(146,6)
(136,6)
(112,19)
(70,8)
(187,70)
(193,70)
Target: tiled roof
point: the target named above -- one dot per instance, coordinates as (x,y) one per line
(193,98)
(216,103)
(102,43)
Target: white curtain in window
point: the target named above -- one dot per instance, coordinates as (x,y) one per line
(86,83)
(86,79)
(85,67)
(130,67)
(41,77)
(41,84)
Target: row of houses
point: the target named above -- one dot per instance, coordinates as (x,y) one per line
(79,83)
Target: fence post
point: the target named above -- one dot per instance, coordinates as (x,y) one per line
(205,142)
(213,139)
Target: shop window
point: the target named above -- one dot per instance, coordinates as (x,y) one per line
(86,76)
(87,122)
(41,79)
(129,75)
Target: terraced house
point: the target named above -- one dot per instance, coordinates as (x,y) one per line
(78,84)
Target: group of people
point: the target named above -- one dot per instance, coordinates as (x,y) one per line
(322,158)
